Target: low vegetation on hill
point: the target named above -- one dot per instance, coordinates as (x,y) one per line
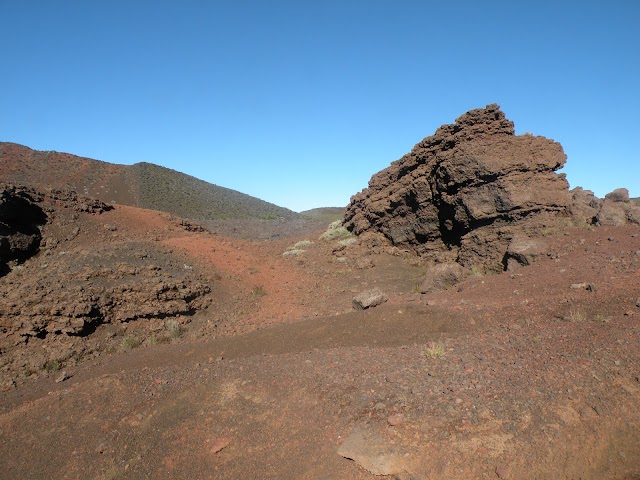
(170,191)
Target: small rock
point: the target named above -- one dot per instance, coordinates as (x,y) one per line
(592,287)
(396,419)
(503,471)
(380,406)
(62,377)
(219,444)
(579,286)
(368,299)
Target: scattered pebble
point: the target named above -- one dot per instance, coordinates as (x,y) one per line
(396,419)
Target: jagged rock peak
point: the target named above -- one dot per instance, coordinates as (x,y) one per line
(475,123)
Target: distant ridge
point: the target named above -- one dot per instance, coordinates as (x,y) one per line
(328,214)
(141,185)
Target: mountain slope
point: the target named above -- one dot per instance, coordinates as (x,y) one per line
(161,188)
(141,185)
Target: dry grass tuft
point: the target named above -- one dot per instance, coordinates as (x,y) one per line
(435,350)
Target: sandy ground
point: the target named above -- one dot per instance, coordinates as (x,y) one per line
(522,375)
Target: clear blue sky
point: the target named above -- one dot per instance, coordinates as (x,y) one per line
(300,102)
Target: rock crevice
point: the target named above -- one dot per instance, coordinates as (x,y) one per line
(20,220)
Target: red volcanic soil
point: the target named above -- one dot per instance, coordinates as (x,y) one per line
(520,375)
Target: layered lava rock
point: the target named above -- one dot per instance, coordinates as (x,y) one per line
(466,192)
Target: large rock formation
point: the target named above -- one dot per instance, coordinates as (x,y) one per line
(477,194)
(460,192)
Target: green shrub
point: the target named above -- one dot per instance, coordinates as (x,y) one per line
(174,328)
(129,342)
(336,231)
(293,253)
(258,291)
(347,241)
(302,244)
(435,350)
(52,366)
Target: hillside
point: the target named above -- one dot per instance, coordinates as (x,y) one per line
(167,190)
(139,185)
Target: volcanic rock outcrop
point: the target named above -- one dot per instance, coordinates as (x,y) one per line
(69,270)
(463,193)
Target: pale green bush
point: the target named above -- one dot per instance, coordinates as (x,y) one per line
(336,231)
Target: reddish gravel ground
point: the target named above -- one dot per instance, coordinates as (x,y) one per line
(531,374)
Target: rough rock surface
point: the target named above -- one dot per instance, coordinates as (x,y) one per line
(76,292)
(66,273)
(466,192)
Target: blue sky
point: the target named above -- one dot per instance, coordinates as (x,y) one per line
(300,102)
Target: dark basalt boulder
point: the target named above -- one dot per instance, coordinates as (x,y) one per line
(20,220)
